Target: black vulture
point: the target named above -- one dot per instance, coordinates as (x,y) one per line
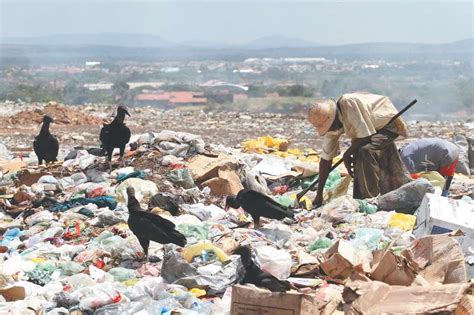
(45,145)
(258,205)
(255,275)
(115,135)
(165,202)
(150,227)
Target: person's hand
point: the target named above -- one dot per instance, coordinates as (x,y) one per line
(348,159)
(318,201)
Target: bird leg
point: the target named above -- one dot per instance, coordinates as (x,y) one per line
(109,164)
(256,223)
(122,152)
(145,244)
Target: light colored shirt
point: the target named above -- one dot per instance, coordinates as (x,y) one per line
(361,115)
(429,154)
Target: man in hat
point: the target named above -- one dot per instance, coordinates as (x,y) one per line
(372,159)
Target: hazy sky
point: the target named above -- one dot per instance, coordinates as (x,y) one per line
(234,22)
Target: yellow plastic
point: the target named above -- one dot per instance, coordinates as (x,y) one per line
(405,222)
(38,260)
(435,178)
(130,282)
(307,202)
(196,249)
(279,147)
(197,292)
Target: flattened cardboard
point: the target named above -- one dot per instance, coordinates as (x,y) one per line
(29,177)
(380,298)
(392,269)
(204,167)
(439,259)
(226,183)
(466,306)
(342,259)
(12,166)
(248,300)
(13,293)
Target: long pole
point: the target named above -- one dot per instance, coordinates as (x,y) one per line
(335,165)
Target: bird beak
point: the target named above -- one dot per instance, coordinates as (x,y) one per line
(126,112)
(227,208)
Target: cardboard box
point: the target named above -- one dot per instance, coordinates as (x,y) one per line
(248,300)
(439,215)
(342,259)
(12,166)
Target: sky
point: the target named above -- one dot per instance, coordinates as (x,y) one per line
(237,22)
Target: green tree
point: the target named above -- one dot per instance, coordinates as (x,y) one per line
(120,90)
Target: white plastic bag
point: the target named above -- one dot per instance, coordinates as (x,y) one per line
(144,190)
(274,261)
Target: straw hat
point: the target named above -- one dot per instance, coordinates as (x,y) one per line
(321,115)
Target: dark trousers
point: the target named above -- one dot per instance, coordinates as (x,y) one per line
(378,167)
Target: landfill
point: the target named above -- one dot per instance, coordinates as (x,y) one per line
(65,246)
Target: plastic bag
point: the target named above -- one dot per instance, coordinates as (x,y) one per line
(404,222)
(274,261)
(122,274)
(279,233)
(181,177)
(435,178)
(288,201)
(70,268)
(205,213)
(339,209)
(80,280)
(196,249)
(199,232)
(97,296)
(321,243)
(143,305)
(47,179)
(367,239)
(10,235)
(42,217)
(366,207)
(144,190)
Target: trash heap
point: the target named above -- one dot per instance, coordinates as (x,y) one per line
(66,247)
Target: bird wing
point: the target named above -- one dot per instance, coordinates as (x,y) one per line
(263,205)
(158,220)
(165,202)
(36,145)
(104,136)
(144,227)
(126,134)
(255,275)
(54,146)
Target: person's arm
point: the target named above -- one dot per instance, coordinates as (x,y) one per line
(324,168)
(447,183)
(348,156)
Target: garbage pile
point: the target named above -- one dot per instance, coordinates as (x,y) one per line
(63,115)
(66,247)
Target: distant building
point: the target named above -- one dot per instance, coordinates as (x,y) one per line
(92,63)
(98,86)
(155,85)
(370,66)
(170,69)
(306,60)
(171,99)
